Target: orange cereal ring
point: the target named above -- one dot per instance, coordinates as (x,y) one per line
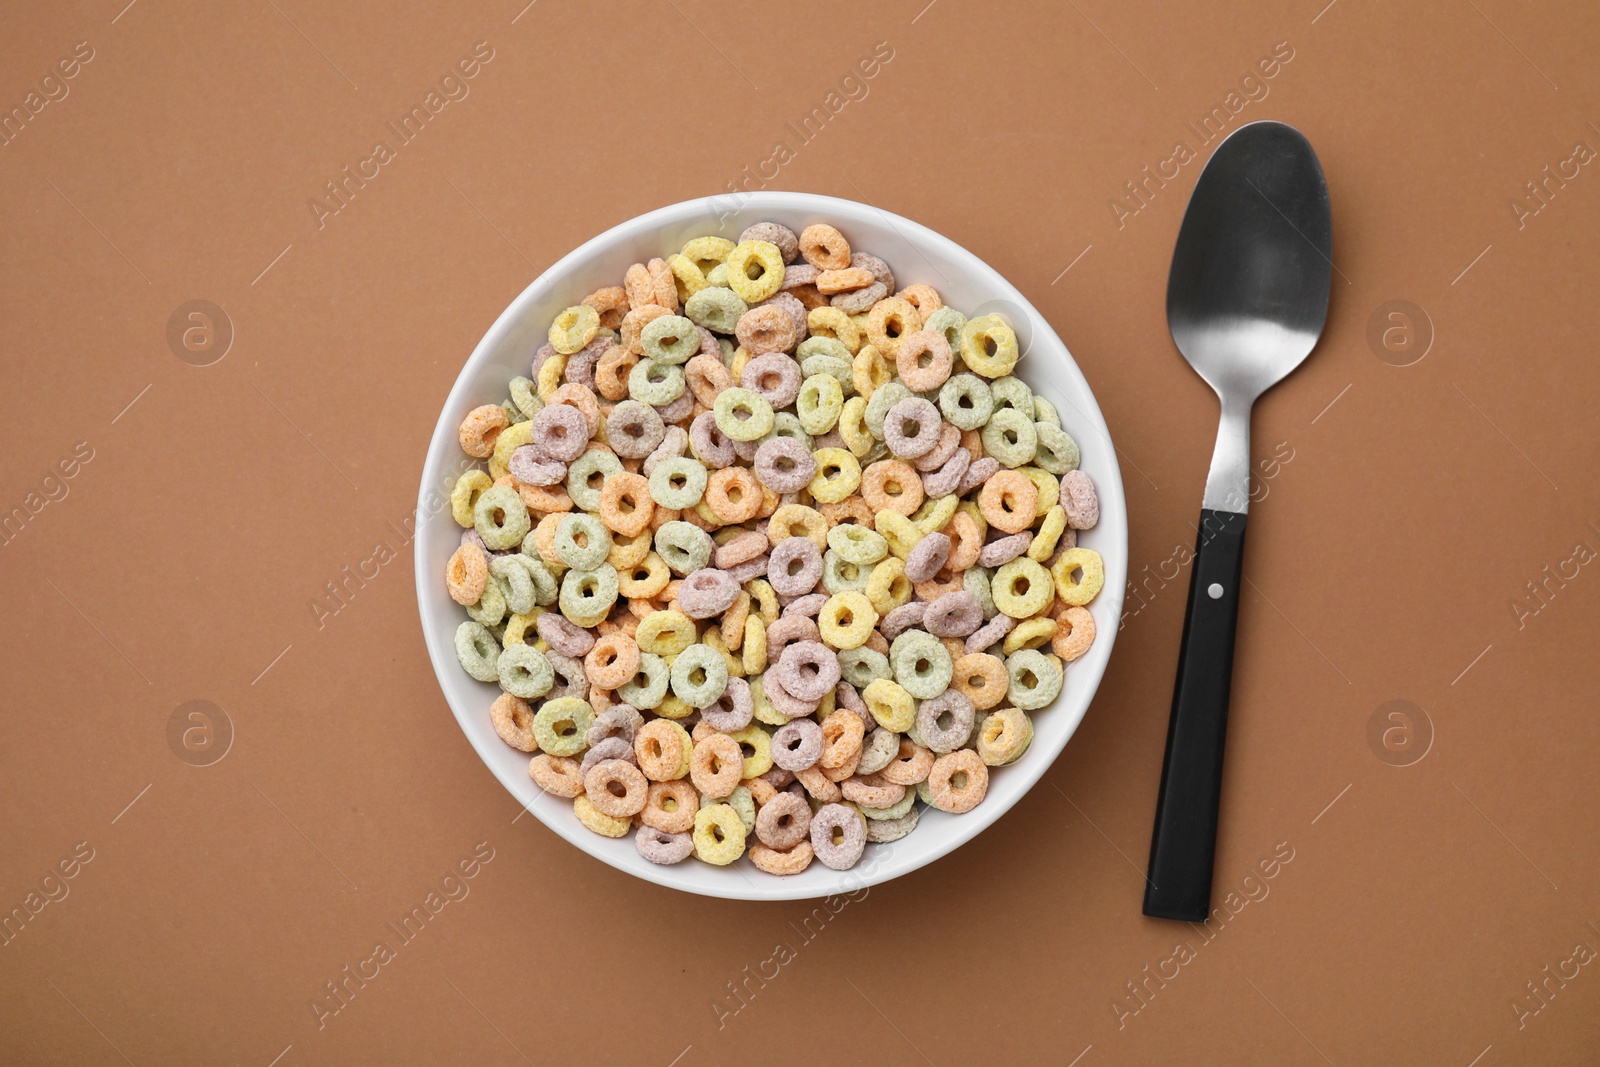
(670,806)
(924,360)
(958,781)
(616,788)
(890,320)
(633,324)
(664,284)
(466,574)
(824,247)
(480,428)
(981,678)
(733,494)
(611,373)
(891,485)
(808,296)
(611,302)
(842,736)
(966,541)
(612,661)
(818,784)
(1009,501)
(843,280)
(852,509)
(582,398)
(706,376)
(768,328)
(789,861)
(662,748)
(1074,633)
(946,581)
(625,504)
(512,718)
(910,765)
(544,497)
(873,791)
(716,765)
(761,789)
(557,775)
(640,286)
(733,622)
(923,297)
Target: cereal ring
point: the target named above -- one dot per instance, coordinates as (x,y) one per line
(990,632)
(764,329)
(955,614)
(468,572)
(656,384)
(1074,634)
(715,765)
(625,503)
(924,360)
(927,557)
(645,579)
(1030,633)
(707,592)
(685,548)
(670,805)
(890,704)
(1009,437)
(481,428)
(719,833)
(838,836)
(574,328)
(783,822)
(921,664)
(775,234)
(616,788)
(610,302)
(613,371)
(1084,561)
(858,544)
(658,846)
(513,721)
(648,686)
(699,676)
(464,495)
(857,301)
(706,252)
(989,346)
(967,401)
(743,414)
(758,758)
(883,829)
(1009,501)
(819,403)
(561,726)
(1079,499)
(678,482)
(784,465)
(634,430)
(872,791)
(863,666)
(946,721)
(797,745)
(831,322)
(1035,678)
(491,607)
(838,475)
(774,377)
(1004,737)
(582,541)
(887,587)
(716,309)
(773,861)
(528,464)
(755,270)
(981,678)
(890,321)
(733,494)
(1058,452)
(556,775)
(501,518)
(794,567)
(846,620)
(958,781)
(808,670)
(663,749)
(560,432)
(830,282)
(731,711)
(1022,588)
(999,552)
(824,247)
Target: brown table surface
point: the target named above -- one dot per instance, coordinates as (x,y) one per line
(1427,534)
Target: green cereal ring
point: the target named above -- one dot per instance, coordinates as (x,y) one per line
(1022,588)
(478,651)
(823,346)
(501,518)
(699,676)
(1058,452)
(882,831)
(683,546)
(516,571)
(976,582)
(524,672)
(526,397)
(883,398)
(966,401)
(1035,678)
(491,607)
(1044,411)
(582,541)
(1012,392)
(820,401)
(647,688)
(764,711)
(893,811)
(1009,437)
(921,664)
(840,575)
(716,308)
(656,384)
(838,369)
(587,596)
(545,586)
(561,726)
(787,424)
(669,339)
(678,482)
(718,277)
(587,476)
(862,666)
(743,414)
(858,544)
(743,802)
(948,321)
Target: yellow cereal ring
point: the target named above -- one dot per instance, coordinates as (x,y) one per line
(934,515)
(764,599)
(574,328)
(797,520)
(989,346)
(1021,588)
(516,632)
(644,579)
(890,705)
(869,370)
(1085,589)
(754,656)
(690,279)
(598,821)
(831,322)
(551,372)
(847,619)
(706,252)
(672,707)
(511,438)
(1050,530)
(665,633)
(838,475)
(853,426)
(901,533)
(1049,487)
(629,551)
(718,833)
(464,497)
(755,270)
(758,760)
(887,586)
(1033,633)
(888,321)
(764,711)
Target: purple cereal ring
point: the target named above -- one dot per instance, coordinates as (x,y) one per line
(608,748)
(783,702)
(927,556)
(708,343)
(741,549)
(570,679)
(947,479)
(470,536)
(748,570)
(678,410)
(797,745)
(833,819)
(563,636)
(658,846)
(797,311)
(794,275)
(945,721)
(784,821)
(880,270)
(580,365)
(858,301)
(775,377)
(545,352)
(980,471)
(942,452)
(746,450)
(774,233)
(777,777)
(733,709)
(786,630)
(809,605)
(832,439)
(634,430)
(1003,550)
(707,592)
(619,720)
(808,670)
(986,635)
(954,614)
(1081,501)
(713,447)
(529,465)
(784,465)
(794,567)
(902,618)
(561,432)
(912,428)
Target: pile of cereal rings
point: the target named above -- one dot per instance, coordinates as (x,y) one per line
(768,551)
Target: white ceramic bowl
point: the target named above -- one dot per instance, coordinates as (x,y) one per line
(916,254)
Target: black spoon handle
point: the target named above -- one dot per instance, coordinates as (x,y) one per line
(1184,843)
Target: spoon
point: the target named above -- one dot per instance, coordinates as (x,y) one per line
(1246,302)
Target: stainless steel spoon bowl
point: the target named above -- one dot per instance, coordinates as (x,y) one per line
(1246,302)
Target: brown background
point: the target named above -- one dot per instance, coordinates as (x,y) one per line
(1384,558)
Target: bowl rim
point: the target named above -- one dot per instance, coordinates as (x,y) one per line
(443,447)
